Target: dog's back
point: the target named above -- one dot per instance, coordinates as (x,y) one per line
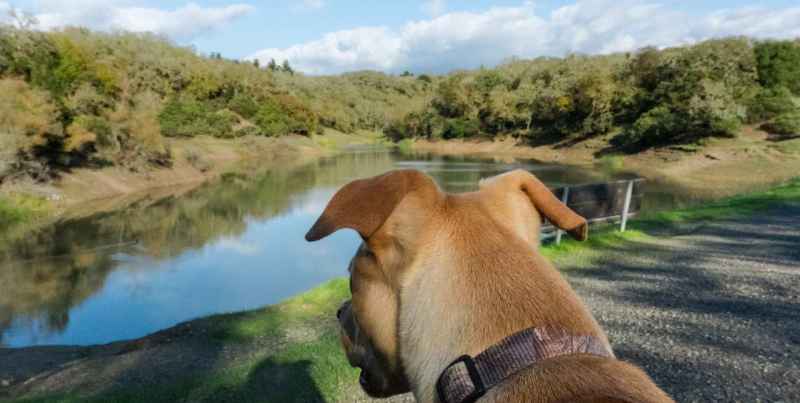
(578,378)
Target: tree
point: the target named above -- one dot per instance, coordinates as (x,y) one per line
(779,64)
(272,65)
(256,63)
(286,67)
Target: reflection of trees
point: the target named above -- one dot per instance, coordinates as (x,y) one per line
(44,291)
(45,274)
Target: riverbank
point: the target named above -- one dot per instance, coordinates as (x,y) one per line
(719,167)
(290,351)
(25,205)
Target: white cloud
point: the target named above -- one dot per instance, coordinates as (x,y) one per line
(470,39)
(186,22)
(434,7)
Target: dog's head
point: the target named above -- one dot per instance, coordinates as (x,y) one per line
(397,215)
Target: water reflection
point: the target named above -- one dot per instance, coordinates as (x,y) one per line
(230,245)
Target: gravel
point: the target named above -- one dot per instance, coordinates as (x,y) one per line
(711,315)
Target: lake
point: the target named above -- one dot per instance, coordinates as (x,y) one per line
(233,244)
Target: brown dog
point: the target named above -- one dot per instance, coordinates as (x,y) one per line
(439,276)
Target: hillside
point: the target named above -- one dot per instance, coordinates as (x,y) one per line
(645,99)
(78,98)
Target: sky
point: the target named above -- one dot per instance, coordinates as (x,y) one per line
(427,36)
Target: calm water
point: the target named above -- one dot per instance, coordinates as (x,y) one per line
(230,245)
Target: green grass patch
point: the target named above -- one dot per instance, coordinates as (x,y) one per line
(405,146)
(612,163)
(301,310)
(18,209)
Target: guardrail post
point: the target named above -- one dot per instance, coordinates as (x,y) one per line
(564,199)
(626,207)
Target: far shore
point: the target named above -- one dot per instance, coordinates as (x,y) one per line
(719,167)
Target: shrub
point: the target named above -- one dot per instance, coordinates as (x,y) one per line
(779,64)
(785,124)
(769,103)
(283,115)
(27,119)
(188,117)
(451,99)
(712,111)
(460,128)
(656,126)
(487,80)
(244,104)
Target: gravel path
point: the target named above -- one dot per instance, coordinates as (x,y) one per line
(712,314)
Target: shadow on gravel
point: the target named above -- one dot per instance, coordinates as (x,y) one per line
(713,315)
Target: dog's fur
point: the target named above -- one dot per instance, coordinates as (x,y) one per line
(441,275)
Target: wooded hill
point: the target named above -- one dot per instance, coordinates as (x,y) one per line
(78,98)
(74,98)
(647,98)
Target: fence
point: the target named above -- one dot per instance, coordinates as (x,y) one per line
(600,202)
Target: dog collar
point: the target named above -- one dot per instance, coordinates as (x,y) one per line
(467,378)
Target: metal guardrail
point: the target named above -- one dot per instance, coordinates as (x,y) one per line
(599,202)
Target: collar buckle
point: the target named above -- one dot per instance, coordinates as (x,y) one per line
(478,387)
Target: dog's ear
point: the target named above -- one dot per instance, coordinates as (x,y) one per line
(548,205)
(364,205)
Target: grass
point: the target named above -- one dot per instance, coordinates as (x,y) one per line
(17,209)
(304,362)
(612,163)
(405,146)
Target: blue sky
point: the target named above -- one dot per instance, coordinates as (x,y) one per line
(331,36)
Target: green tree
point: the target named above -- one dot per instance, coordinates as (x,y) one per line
(779,64)
(286,67)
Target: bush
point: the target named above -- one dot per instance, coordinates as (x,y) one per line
(460,128)
(785,124)
(188,117)
(779,64)
(657,126)
(28,119)
(712,111)
(279,118)
(451,99)
(244,104)
(768,103)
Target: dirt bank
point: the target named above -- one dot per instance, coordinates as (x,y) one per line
(718,168)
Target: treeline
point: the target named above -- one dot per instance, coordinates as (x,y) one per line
(648,98)
(74,98)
